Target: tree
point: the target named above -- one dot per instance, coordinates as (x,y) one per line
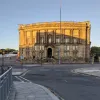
(8,50)
(0,51)
(95,51)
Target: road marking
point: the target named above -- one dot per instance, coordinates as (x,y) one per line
(25,73)
(25,79)
(19,79)
(66,81)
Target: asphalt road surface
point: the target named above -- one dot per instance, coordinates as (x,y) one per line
(61,81)
(65,84)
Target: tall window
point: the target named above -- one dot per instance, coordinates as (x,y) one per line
(41,47)
(36,48)
(75,47)
(57,40)
(66,40)
(75,40)
(41,39)
(49,39)
(67,54)
(67,47)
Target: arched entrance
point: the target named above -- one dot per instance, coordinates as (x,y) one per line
(49,52)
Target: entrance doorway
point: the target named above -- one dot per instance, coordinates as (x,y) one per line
(49,52)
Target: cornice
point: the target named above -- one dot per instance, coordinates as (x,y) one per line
(48,25)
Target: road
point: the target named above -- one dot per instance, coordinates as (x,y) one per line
(61,81)
(65,84)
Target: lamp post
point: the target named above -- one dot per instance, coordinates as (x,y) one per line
(60,31)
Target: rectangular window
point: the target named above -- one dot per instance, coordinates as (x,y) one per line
(66,40)
(35,47)
(42,48)
(67,47)
(57,40)
(73,47)
(41,39)
(67,53)
(75,40)
(76,47)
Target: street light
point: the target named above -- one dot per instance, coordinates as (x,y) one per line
(60,31)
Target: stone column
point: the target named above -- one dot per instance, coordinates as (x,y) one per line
(45,52)
(45,37)
(32,37)
(70,35)
(64,36)
(55,36)
(79,41)
(37,36)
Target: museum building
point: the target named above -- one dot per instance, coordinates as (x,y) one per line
(67,41)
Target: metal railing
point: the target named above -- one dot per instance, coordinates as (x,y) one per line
(5,84)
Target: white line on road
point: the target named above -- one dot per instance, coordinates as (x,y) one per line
(25,79)
(25,73)
(66,81)
(19,79)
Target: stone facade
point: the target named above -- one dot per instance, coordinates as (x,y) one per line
(69,43)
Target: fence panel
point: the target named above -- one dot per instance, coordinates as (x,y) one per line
(5,84)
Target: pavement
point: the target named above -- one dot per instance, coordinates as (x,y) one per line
(18,71)
(66,84)
(31,91)
(26,90)
(62,80)
(95,71)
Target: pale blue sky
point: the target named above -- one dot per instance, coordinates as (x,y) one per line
(14,12)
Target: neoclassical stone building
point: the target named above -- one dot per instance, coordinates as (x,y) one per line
(70,42)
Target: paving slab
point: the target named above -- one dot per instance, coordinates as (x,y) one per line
(32,91)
